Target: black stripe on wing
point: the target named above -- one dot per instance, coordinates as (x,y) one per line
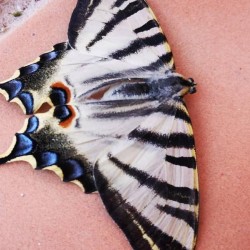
(174,110)
(188,162)
(121,15)
(178,140)
(118,3)
(166,109)
(83,10)
(166,58)
(139,44)
(147,26)
(125,114)
(185,215)
(138,229)
(163,189)
(155,66)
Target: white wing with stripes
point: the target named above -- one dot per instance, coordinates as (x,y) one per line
(148,182)
(124,30)
(118,123)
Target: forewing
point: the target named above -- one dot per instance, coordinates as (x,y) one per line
(124,30)
(148,182)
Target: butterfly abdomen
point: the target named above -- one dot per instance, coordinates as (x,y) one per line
(158,88)
(172,86)
(135,90)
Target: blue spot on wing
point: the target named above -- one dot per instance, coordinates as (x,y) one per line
(12,87)
(72,169)
(33,124)
(29,69)
(49,56)
(58,96)
(24,146)
(46,159)
(27,100)
(62,112)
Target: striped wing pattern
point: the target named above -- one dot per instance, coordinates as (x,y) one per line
(148,182)
(117,124)
(126,29)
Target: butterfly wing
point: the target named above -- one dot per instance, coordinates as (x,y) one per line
(111,45)
(67,80)
(146,172)
(124,30)
(127,42)
(69,138)
(33,84)
(148,182)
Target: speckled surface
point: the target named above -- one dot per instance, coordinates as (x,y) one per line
(15,12)
(211,43)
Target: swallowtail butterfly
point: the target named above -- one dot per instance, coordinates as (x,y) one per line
(118,124)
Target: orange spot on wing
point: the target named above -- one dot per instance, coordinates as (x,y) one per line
(60,85)
(68,122)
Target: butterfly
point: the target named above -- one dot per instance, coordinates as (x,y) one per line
(118,124)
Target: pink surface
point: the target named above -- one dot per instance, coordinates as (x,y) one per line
(211,43)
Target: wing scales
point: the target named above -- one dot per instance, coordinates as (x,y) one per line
(126,27)
(77,72)
(157,202)
(30,87)
(143,148)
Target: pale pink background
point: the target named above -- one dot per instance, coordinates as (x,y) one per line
(211,43)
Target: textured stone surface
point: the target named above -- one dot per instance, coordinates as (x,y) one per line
(210,41)
(14,12)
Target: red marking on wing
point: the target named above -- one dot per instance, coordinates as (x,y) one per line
(66,123)
(61,85)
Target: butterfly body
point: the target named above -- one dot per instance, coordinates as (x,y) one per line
(118,123)
(156,88)
(173,86)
